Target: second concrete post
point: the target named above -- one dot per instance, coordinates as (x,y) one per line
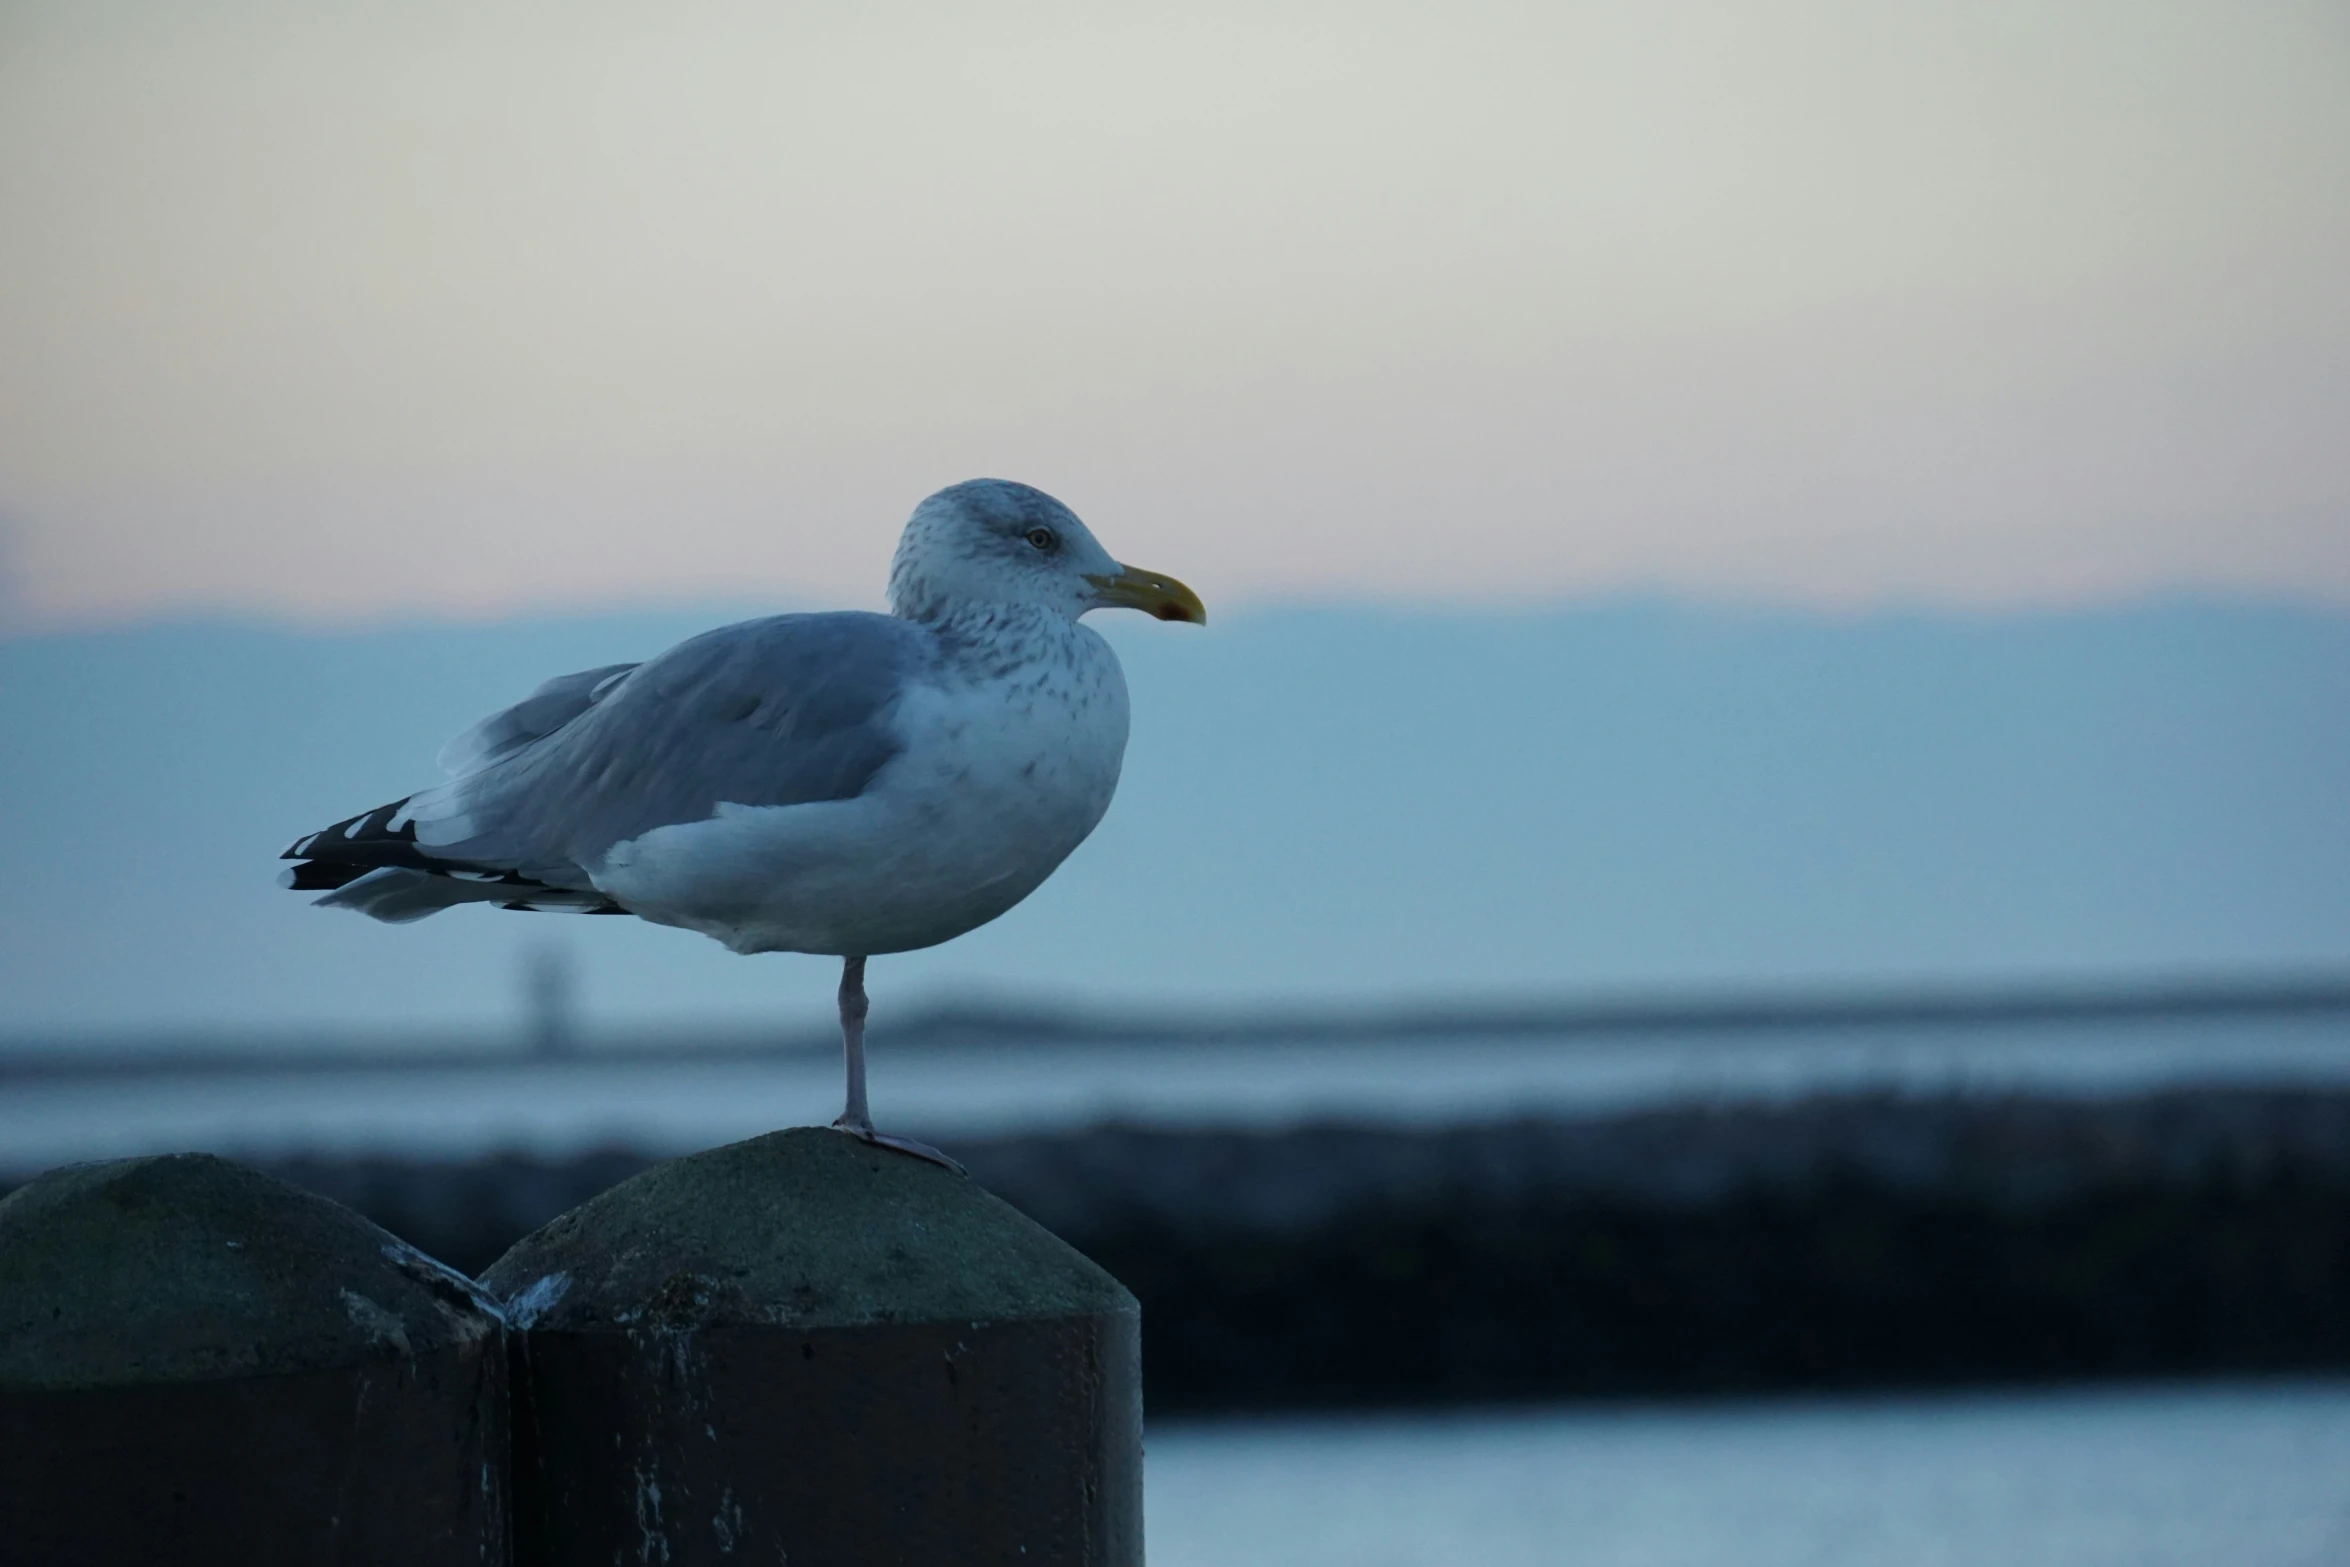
(804,1348)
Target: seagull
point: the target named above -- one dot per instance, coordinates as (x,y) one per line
(847,784)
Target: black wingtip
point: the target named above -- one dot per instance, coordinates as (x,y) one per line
(366,840)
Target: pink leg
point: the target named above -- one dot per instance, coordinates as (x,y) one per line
(856,1119)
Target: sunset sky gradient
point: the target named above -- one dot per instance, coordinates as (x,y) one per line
(371,313)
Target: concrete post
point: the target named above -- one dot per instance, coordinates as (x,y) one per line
(200,1364)
(802,1348)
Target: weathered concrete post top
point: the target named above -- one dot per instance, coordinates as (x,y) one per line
(807,1348)
(200,1364)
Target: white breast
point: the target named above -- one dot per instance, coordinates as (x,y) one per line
(1010,756)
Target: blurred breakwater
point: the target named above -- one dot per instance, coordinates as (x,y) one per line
(1833,1241)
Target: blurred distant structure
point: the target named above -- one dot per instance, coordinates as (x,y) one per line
(1838,1240)
(550,1006)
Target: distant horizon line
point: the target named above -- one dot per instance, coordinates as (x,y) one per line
(1724,1009)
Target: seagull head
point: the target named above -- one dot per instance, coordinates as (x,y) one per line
(991,541)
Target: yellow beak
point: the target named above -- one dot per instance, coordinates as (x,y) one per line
(1162,597)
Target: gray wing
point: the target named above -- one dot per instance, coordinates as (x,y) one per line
(784,711)
(535,717)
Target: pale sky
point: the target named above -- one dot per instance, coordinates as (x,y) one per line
(377,311)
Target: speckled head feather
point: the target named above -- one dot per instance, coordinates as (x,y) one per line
(992,541)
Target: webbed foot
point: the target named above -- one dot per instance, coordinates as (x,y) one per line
(864,1133)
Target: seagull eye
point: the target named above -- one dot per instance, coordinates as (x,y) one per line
(1042,538)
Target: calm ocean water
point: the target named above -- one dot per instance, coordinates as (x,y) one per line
(2246,1475)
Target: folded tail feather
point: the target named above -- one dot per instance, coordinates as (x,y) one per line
(397,895)
(371,863)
